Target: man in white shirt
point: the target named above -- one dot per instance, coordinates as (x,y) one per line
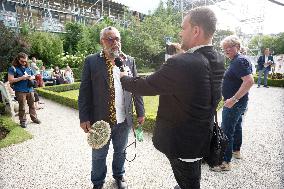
(101,97)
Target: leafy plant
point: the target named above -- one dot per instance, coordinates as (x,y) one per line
(11,43)
(47,47)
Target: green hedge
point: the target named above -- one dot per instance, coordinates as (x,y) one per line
(62,88)
(53,93)
(77,73)
(2,75)
(272,82)
(16,133)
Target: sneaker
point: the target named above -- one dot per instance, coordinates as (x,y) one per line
(121,183)
(37,121)
(225,166)
(237,155)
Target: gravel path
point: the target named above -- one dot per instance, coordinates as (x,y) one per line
(59,157)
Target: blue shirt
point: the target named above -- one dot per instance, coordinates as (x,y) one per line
(21,86)
(240,66)
(45,75)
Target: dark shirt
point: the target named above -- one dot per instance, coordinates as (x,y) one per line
(21,86)
(240,66)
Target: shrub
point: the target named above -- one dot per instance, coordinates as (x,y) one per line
(272,82)
(16,134)
(53,93)
(77,73)
(72,60)
(47,47)
(11,43)
(2,108)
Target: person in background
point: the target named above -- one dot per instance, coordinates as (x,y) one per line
(46,77)
(264,67)
(20,75)
(237,81)
(68,75)
(37,74)
(58,76)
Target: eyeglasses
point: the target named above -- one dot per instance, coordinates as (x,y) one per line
(228,48)
(23,61)
(112,39)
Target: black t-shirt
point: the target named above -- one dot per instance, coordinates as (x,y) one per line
(239,67)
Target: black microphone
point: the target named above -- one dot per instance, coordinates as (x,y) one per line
(118,62)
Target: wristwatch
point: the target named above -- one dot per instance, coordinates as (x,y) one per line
(235,99)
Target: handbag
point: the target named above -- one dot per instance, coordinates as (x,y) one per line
(218,145)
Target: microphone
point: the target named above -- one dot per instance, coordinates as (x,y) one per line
(118,62)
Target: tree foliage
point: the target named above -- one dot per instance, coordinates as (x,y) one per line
(275,43)
(46,46)
(11,44)
(74,33)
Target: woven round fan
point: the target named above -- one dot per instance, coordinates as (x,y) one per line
(99,134)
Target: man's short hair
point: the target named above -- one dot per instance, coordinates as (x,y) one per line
(205,18)
(106,29)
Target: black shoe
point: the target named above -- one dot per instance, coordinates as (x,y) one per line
(177,187)
(37,121)
(23,124)
(121,183)
(98,187)
(266,86)
(258,86)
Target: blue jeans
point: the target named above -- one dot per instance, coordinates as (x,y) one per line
(265,72)
(232,127)
(119,137)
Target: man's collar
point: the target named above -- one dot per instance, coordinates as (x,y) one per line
(198,47)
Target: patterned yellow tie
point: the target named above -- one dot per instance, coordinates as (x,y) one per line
(111,103)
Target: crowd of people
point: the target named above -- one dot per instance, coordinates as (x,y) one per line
(190,85)
(23,77)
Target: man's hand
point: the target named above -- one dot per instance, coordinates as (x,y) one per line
(178,47)
(141,120)
(229,103)
(25,77)
(86,126)
(122,74)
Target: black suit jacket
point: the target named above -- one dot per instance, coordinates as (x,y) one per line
(185,115)
(261,61)
(94,92)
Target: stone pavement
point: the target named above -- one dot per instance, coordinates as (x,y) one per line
(59,157)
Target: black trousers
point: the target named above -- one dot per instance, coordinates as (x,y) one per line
(187,174)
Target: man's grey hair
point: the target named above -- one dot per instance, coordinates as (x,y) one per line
(205,18)
(231,40)
(106,29)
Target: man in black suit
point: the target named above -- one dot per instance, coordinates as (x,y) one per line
(187,100)
(264,63)
(101,97)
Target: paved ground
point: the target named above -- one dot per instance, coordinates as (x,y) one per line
(58,156)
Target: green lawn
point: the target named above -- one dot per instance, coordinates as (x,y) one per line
(16,134)
(71,94)
(151,107)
